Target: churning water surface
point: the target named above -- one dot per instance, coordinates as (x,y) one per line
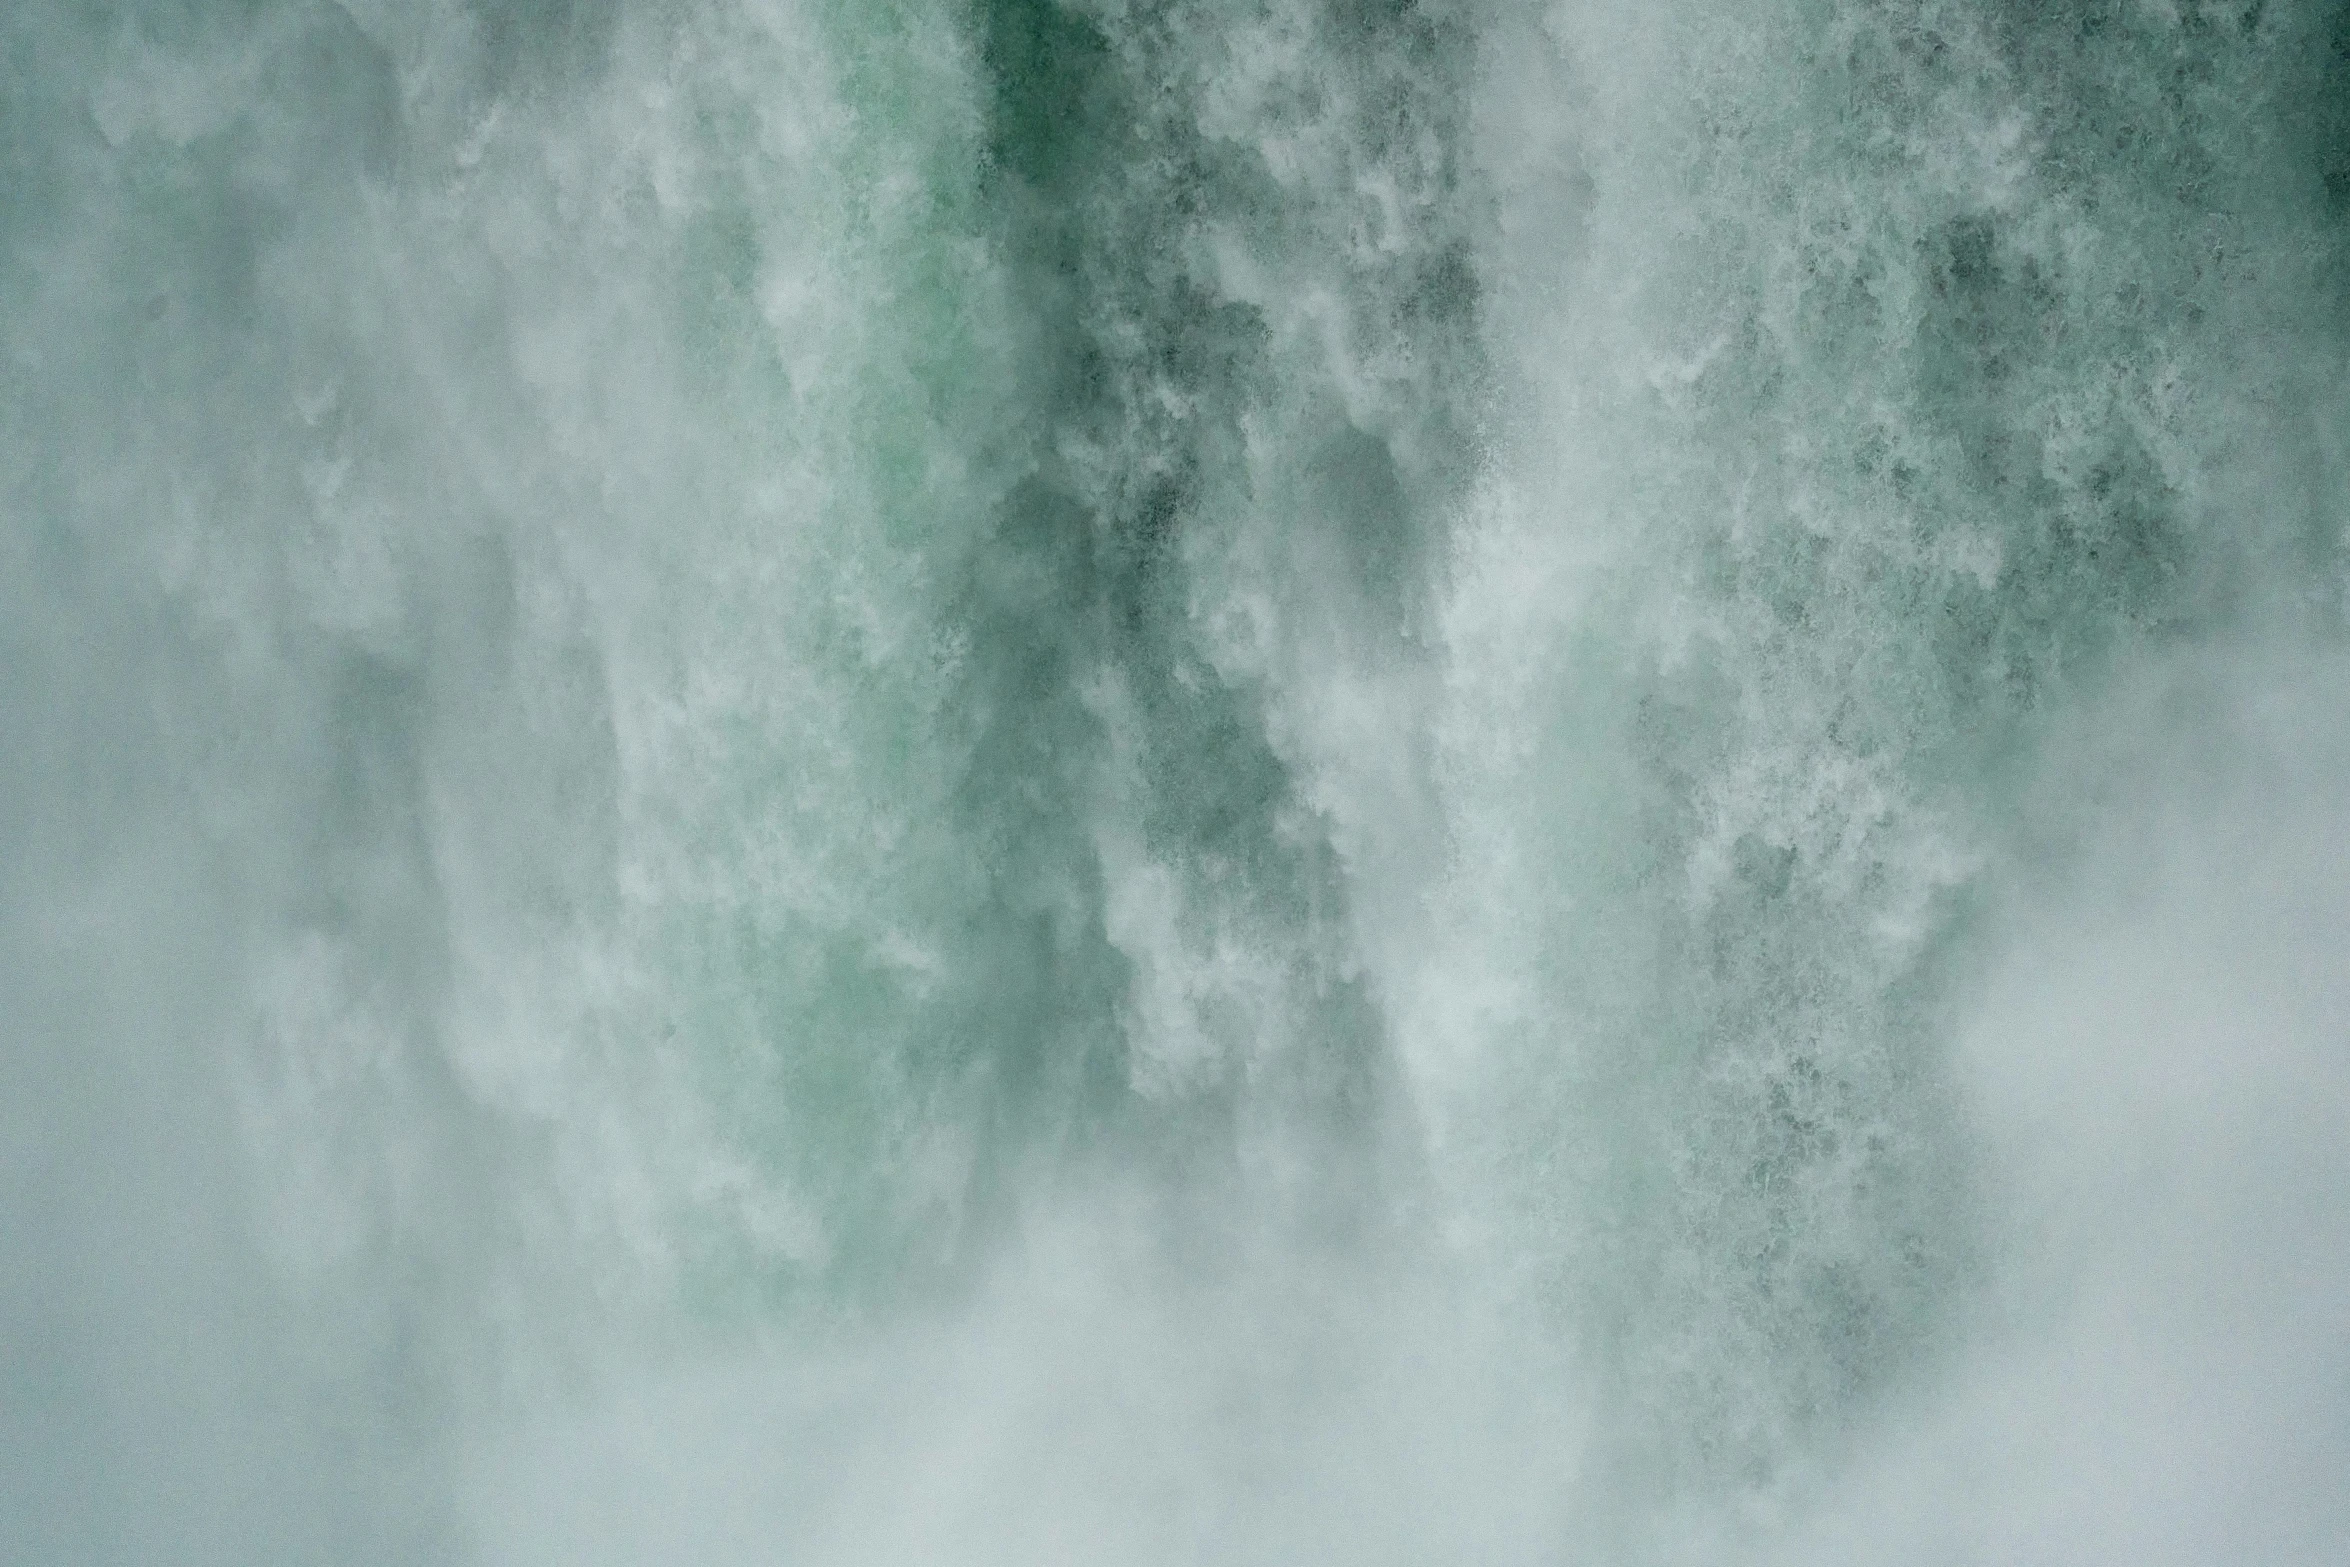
(986,782)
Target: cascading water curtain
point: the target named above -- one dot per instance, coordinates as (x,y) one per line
(986,783)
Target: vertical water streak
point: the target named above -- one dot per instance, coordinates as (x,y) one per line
(1238,235)
(1892,380)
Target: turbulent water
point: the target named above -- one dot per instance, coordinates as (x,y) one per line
(972,782)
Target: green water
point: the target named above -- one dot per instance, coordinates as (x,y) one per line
(1116,782)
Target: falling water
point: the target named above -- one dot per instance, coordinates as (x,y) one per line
(1174,781)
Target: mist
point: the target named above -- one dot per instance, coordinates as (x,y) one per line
(1076,781)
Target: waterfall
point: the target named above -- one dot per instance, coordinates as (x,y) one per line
(1163,781)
